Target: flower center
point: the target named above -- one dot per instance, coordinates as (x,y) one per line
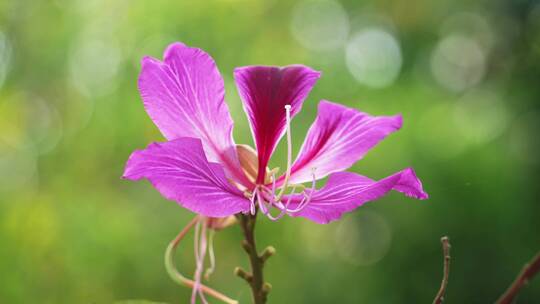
(264,197)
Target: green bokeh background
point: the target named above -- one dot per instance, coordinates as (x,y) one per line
(71,231)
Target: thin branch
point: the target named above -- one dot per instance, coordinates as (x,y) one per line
(527,273)
(178,277)
(439,298)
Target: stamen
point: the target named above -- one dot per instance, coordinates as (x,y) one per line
(196,252)
(200,252)
(211,255)
(260,201)
(289,151)
(307,198)
(273,183)
(177,277)
(263,193)
(279,205)
(252,201)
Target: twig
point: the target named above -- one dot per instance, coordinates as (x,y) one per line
(439,298)
(527,273)
(255,279)
(178,277)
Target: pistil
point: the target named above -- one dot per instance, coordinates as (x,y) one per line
(266,198)
(289,152)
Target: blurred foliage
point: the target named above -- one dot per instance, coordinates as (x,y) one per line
(465,77)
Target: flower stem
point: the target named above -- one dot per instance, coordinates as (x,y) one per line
(255,279)
(529,271)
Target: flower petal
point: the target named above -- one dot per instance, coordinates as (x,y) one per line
(265,91)
(346,191)
(180,171)
(184,96)
(338,138)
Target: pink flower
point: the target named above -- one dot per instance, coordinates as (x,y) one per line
(201,168)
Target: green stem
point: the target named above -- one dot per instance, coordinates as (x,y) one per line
(255,279)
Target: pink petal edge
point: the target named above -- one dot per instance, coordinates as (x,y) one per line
(339,137)
(346,191)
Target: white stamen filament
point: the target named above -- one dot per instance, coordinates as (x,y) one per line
(200,252)
(273,183)
(178,277)
(289,151)
(211,255)
(307,198)
(252,202)
(279,205)
(265,195)
(260,201)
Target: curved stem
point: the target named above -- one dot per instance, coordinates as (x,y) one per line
(178,277)
(439,298)
(255,279)
(529,271)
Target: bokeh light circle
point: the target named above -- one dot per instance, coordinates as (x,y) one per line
(320,25)
(363,239)
(94,64)
(313,235)
(480,116)
(5,57)
(458,62)
(29,123)
(17,168)
(471,24)
(374,57)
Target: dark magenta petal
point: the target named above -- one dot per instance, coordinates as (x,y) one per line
(265,91)
(338,138)
(184,96)
(345,191)
(179,170)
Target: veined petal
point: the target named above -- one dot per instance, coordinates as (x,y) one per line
(184,96)
(346,191)
(338,138)
(265,91)
(180,171)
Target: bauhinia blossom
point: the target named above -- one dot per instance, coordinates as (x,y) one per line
(202,169)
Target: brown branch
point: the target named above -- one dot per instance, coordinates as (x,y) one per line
(439,298)
(527,273)
(255,279)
